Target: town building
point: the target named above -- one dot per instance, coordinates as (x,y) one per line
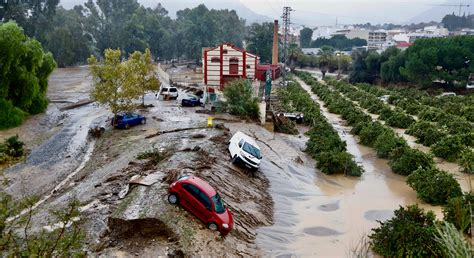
(225,63)
(376,40)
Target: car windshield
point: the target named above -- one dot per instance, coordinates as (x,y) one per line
(218,205)
(173,90)
(249,148)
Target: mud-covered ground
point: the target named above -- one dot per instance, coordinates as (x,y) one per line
(288,209)
(65,163)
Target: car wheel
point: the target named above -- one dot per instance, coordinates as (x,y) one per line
(127,126)
(173,198)
(212,226)
(234,159)
(143,121)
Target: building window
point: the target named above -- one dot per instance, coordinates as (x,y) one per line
(248,66)
(234,66)
(215,60)
(224,51)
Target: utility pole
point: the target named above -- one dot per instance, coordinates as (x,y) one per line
(286,26)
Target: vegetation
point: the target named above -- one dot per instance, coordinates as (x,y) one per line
(64,237)
(93,27)
(324,144)
(410,233)
(449,148)
(434,186)
(305,37)
(24,75)
(118,83)
(405,160)
(339,42)
(260,41)
(453,243)
(467,161)
(458,212)
(442,61)
(11,149)
(453,22)
(239,100)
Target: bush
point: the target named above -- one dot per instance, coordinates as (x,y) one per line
(387,142)
(368,135)
(240,100)
(434,186)
(399,119)
(458,212)
(10,116)
(449,147)
(410,233)
(467,161)
(426,132)
(405,160)
(334,162)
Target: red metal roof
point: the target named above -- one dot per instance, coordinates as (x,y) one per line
(404,44)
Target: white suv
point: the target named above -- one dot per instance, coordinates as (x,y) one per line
(169,92)
(243,149)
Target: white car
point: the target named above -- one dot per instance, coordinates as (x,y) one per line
(384,98)
(243,149)
(169,93)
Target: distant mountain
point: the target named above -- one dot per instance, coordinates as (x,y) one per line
(436,13)
(175,5)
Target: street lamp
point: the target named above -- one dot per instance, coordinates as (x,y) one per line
(338,54)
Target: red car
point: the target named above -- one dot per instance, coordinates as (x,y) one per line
(199,198)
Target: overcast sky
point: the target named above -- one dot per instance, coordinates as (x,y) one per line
(324,12)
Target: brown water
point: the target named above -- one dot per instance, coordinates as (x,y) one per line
(320,215)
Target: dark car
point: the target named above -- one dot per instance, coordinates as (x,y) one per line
(199,198)
(298,117)
(127,120)
(190,101)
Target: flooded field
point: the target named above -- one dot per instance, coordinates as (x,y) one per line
(288,209)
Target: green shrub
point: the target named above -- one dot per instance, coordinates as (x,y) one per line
(333,162)
(449,147)
(428,114)
(240,100)
(10,116)
(434,186)
(467,161)
(14,147)
(399,119)
(458,212)
(405,160)
(426,132)
(368,135)
(387,142)
(410,233)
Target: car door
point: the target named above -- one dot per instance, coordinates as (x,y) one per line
(197,202)
(206,206)
(188,198)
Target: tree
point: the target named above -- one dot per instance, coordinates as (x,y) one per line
(113,82)
(240,100)
(143,72)
(24,71)
(260,41)
(294,52)
(326,55)
(305,37)
(339,42)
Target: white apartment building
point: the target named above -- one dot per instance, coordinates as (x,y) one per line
(377,39)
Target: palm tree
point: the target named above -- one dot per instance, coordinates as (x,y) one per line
(326,54)
(294,52)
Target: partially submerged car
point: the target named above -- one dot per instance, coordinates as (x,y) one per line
(447,94)
(127,120)
(243,149)
(295,116)
(384,98)
(191,101)
(201,199)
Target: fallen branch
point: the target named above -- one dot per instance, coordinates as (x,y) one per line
(174,131)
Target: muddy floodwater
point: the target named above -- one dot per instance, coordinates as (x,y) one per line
(314,215)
